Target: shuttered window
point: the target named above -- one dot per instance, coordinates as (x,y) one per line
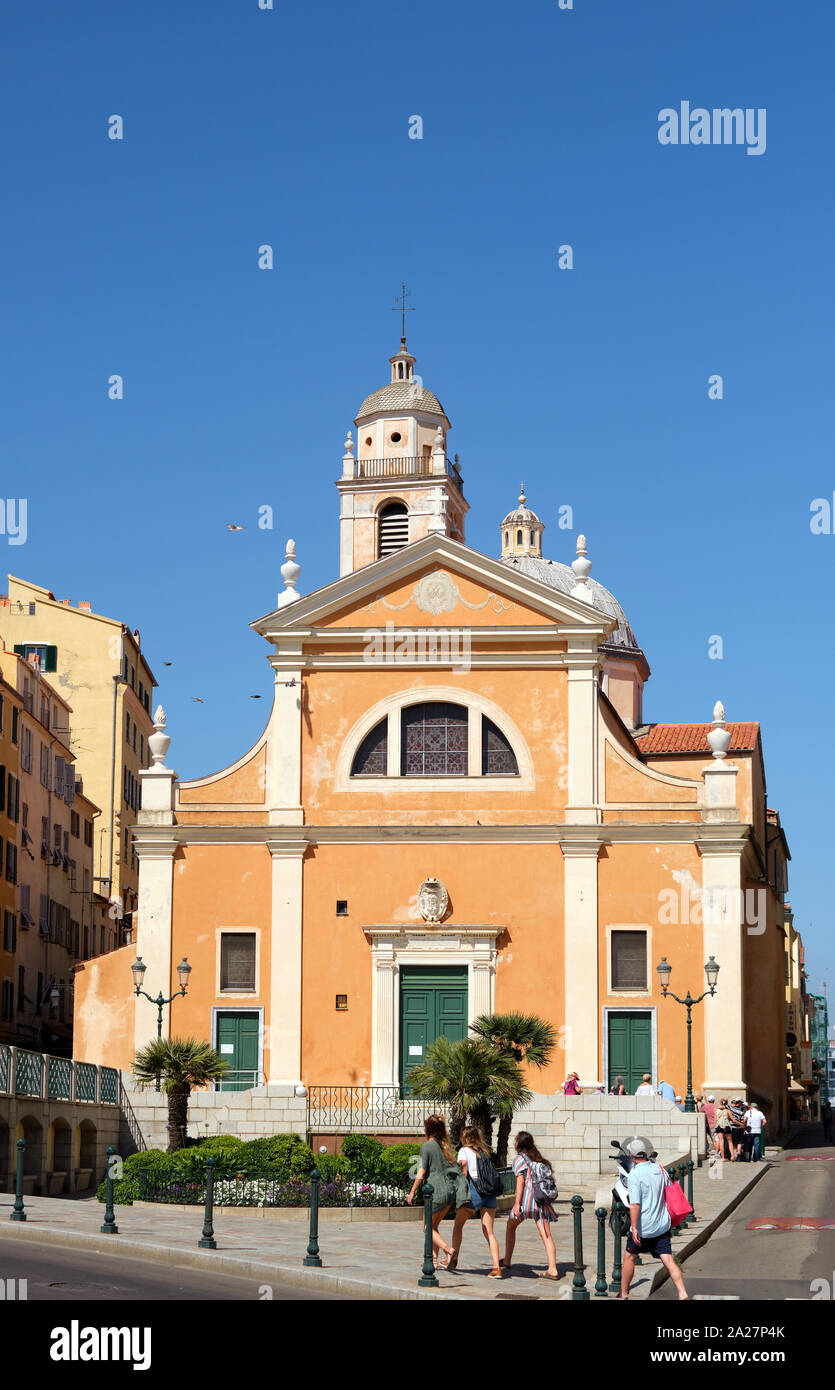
(237,961)
(629,960)
(393,529)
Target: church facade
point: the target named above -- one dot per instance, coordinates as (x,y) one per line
(456,808)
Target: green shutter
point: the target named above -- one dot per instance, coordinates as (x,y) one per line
(51,663)
(20,650)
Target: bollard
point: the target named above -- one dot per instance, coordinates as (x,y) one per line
(109,1228)
(207,1241)
(428,1279)
(312,1258)
(601,1289)
(617,1265)
(690,1166)
(578,1283)
(18,1214)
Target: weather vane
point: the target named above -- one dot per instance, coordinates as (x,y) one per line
(400,306)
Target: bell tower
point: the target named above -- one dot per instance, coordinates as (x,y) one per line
(397,483)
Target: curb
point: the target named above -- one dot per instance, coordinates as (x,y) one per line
(225,1264)
(699,1238)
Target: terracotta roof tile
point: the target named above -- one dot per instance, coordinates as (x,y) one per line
(692,738)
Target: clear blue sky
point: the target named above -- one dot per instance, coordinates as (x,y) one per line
(290,127)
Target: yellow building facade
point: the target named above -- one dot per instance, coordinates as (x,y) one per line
(456,808)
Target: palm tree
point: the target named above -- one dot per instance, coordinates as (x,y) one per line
(527,1039)
(476,1080)
(179,1064)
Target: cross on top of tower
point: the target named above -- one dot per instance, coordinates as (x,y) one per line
(400,306)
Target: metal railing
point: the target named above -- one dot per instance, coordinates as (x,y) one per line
(261,1187)
(240,1080)
(344,1109)
(39,1074)
(405,466)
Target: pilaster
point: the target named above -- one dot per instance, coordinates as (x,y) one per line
(285,1026)
(582,1004)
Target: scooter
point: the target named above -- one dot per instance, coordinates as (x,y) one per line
(619,1216)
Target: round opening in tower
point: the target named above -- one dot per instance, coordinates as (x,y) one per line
(396,437)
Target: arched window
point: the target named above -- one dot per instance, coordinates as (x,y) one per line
(433,741)
(531,537)
(497,756)
(518,537)
(393,528)
(370,759)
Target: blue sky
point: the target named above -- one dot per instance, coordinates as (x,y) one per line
(290,127)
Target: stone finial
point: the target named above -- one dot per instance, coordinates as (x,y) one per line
(438,445)
(349,444)
(159,741)
(581,567)
(290,572)
(719,737)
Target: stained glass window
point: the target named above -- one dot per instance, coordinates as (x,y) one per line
(434,741)
(371,757)
(497,756)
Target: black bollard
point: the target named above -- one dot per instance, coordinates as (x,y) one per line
(428,1278)
(207,1241)
(601,1289)
(578,1283)
(312,1258)
(109,1227)
(18,1214)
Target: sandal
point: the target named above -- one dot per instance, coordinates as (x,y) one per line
(496,1274)
(452,1262)
(543,1274)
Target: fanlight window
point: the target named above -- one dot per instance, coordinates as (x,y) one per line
(370,757)
(433,741)
(497,757)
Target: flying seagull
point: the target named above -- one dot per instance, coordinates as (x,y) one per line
(230,526)
(198,699)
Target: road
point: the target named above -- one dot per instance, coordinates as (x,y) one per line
(63,1275)
(773,1264)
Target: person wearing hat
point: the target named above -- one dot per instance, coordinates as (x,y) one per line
(571,1086)
(649,1220)
(708,1109)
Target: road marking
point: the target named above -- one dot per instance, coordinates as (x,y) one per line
(791,1223)
(811,1158)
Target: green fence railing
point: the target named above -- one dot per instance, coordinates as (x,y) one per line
(85,1081)
(29,1073)
(109,1086)
(260,1187)
(58,1078)
(5,1067)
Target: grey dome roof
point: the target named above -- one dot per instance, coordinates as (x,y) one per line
(400,395)
(562,577)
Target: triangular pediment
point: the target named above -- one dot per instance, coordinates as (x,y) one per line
(437,581)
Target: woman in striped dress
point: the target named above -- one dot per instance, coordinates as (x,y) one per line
(526,1206)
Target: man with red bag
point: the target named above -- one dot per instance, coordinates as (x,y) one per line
(650,1221)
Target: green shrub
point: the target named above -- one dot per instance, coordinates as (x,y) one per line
(286,1155)
(399,1162)
(125,1191)
(363,1154)
(332,1166)
(220,1144)
(152,1160)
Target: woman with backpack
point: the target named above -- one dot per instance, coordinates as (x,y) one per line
(477,1166)
(536,1190)
(438,1167)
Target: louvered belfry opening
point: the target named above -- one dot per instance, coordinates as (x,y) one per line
(393,528)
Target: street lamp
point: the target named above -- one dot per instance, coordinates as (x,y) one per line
(138,971)
(664,970)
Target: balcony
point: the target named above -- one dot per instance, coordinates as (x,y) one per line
(405,466)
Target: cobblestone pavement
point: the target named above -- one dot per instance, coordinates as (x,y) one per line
(380,1259)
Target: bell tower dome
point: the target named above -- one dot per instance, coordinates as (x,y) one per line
(398,484)
(522,531)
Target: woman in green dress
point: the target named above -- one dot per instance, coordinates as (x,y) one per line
(449,1187)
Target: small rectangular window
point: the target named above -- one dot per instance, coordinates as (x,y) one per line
(342,907)
(237,962)
(629,960)
(342,1002)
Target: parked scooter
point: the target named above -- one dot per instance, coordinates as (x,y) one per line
(619,1216)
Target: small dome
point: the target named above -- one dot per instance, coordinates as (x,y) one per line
(522,516)
(561,577)
(397,396)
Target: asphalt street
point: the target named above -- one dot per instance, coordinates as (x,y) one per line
(63,1275)
(763,1263)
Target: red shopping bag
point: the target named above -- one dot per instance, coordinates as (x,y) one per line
(677,1204)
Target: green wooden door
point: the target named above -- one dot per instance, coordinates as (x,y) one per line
(237,1043)
(630,1048)
(433,1002)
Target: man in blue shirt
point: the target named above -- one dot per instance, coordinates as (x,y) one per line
(666,1090)
(649,1219)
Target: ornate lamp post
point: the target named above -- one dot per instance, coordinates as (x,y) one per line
(138,971)
(664,971)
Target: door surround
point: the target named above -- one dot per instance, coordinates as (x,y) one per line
(650,1009)
(417,944)
(218,1009)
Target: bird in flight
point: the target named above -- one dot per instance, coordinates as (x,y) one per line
(255,697)
(230,526)
(198,699)
(168,663)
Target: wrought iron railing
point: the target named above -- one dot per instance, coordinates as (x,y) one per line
(405,466)
(29,1073)
(343,1109)
(85,1081)
(260,1187)
(59,1078)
